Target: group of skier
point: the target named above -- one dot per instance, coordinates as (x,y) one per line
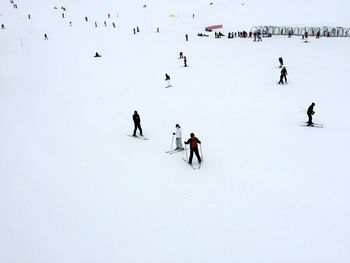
(310,111)
(193,141)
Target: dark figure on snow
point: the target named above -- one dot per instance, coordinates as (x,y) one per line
(186,36)
(167,79)
(137,29)
(45,37)
(137,123)
(310,112)
(113,24)
(29,16)
(97,55)
(2,26)
(95,24)
(86,19)
(283,75)
(134,30)
(259,37)
(193,142)
(280,59)
(181,55)
(185,61)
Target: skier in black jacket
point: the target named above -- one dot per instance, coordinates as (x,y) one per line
(137,123)
(310,112)
(283,75)
(193,142)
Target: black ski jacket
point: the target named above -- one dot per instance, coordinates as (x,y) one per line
(136,118)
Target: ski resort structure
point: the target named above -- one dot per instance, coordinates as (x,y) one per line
(328,31)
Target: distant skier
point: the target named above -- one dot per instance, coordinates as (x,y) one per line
(2,26)
(45,37)
(310,112)
(185,61)
(186,37)
(113,24)
(193,142)
(134,30)
(137,29)
(178,136)
(86,19)
(167,79)
(137,123)
(283,75)
(97,55)
(181,55)
(95,24)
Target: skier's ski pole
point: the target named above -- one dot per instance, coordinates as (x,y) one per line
(172,140)
(200,147)
(302,108)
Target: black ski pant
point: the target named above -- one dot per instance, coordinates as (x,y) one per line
(310,118)
(195,150)
(137,126)
(281,80)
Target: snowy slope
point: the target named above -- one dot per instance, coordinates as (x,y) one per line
(75,188)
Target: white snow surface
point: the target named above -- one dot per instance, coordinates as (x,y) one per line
(75,188)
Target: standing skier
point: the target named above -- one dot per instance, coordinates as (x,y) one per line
(137,123)
(186,36)
(178,136)
(310,112)
(283,75)
(167,79)
(185,61)
(193,142)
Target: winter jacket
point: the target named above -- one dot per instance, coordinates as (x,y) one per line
(310,110)
(178,133)
(136,118)
(193,142)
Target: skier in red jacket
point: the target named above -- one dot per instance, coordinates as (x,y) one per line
(193,142)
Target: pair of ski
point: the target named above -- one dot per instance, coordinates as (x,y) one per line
(192,166)
(314,125)
(139,137)
(175,151)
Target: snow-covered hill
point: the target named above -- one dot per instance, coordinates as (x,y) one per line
(75,188)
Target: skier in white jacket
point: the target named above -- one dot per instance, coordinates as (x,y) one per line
(178,136)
